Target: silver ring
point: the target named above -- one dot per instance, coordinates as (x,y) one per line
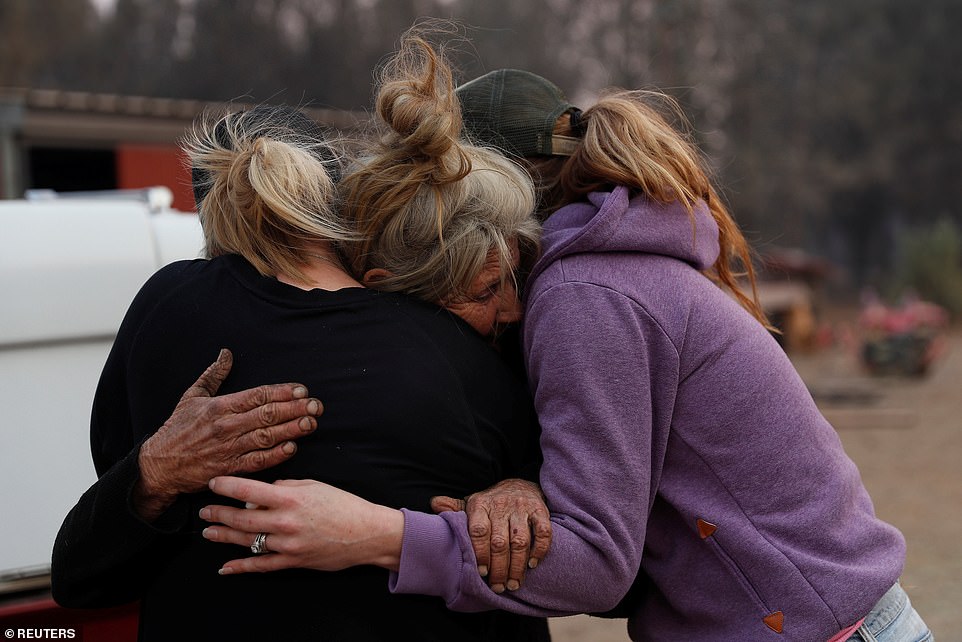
(260,544)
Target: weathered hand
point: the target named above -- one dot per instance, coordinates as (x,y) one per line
(208,436)
(501,522)
(309,524)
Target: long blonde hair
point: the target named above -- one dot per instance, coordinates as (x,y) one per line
(627,141)
(263,179)
(428,208)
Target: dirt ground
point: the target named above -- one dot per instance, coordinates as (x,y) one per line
(905,435)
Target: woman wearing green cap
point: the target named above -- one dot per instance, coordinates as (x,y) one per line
(684,458)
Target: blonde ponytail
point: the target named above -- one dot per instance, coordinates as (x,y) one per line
(264,187)
(627,141)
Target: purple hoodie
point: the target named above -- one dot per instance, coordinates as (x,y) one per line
(679,442)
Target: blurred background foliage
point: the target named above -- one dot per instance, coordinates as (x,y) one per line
(835,127)
(929,265)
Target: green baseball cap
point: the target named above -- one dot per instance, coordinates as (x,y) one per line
(515,111)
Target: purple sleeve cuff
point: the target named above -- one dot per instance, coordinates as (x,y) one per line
(437,559)
(433,560)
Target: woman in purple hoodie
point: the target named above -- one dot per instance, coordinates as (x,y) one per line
(685,462)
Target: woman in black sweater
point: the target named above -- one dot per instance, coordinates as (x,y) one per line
(417,401)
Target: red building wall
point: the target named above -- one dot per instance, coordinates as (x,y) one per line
(151,165)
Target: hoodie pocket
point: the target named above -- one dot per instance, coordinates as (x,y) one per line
(736,571)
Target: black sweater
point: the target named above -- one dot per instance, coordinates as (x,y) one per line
(416,404)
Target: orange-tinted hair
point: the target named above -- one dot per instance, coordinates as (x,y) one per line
(627,141)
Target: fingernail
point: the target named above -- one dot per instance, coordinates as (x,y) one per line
(533,562)
(313,406)
(225,571)
(306,424)
(513,585)
(205,513)
(299,392)
(497,588)
(288,448)
(208,532)
(483,570)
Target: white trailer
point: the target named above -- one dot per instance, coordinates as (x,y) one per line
(69,268)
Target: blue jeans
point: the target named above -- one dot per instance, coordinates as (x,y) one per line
(893,619)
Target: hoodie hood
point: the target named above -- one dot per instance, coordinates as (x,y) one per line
(615,222)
